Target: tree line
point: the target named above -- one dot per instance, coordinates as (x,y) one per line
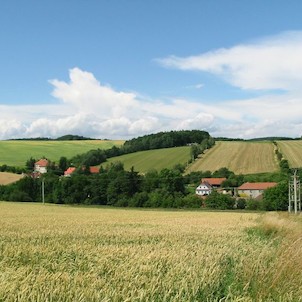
(168,188)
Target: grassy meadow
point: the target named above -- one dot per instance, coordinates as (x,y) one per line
(239,157)
(61,253)
(16,153)
(292,151)
(159,159)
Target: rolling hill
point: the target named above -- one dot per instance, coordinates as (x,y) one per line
(246,157)
(16,153)
(239,157)
(158,159)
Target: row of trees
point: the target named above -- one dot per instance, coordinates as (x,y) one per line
(112,186)
(166,140)
(115,186)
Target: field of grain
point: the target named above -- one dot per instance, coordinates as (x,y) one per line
(16,153)
(292,151)
(61,253)
(239,157)
(144,161)
(8,178)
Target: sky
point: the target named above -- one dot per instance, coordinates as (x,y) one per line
(120,69)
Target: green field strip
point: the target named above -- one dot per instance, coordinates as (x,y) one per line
(16,153)
(159,159)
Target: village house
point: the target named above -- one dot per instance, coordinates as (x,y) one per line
(214,182)
(204,189)
(254,190)
(71,170)
(41,166)
(208,184)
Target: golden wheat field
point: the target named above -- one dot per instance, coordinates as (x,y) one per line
(292,151)
(239,157)
(61,253)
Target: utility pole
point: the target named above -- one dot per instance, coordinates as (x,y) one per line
(294,193)
(43,193)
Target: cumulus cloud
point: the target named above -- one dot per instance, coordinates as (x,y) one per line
(87,107)
(272,63)
(88,95)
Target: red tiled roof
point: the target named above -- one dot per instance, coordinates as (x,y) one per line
(94,170)
(205,183)
(69,171)
(42,162)
(257,185)
(214,181)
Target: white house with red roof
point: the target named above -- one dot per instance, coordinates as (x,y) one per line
(208,184)
(203,189)
(254,189)
(41,166)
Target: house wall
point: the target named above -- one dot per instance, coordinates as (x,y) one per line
(40,169)
(202,190)
(250,193)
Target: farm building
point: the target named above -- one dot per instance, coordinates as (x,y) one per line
(254,190)
(41,166)
(214,182)
(94,170)
(69,171)
(208,184)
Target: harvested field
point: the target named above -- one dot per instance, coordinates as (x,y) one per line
(292,151)
(8,178)
(239,157)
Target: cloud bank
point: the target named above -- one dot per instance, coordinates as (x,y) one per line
(82,105)
(87,107)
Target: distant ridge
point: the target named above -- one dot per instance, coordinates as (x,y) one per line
(68,137)
(269,138)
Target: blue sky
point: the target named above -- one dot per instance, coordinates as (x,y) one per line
(121,69)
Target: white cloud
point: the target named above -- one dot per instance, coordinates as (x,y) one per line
(272,63)
(88,95)
(90,108)
(86,107)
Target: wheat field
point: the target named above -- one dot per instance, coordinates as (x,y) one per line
(239,157)
(61,253)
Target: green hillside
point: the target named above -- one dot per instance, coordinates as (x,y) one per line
(15,153)
(158,159)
